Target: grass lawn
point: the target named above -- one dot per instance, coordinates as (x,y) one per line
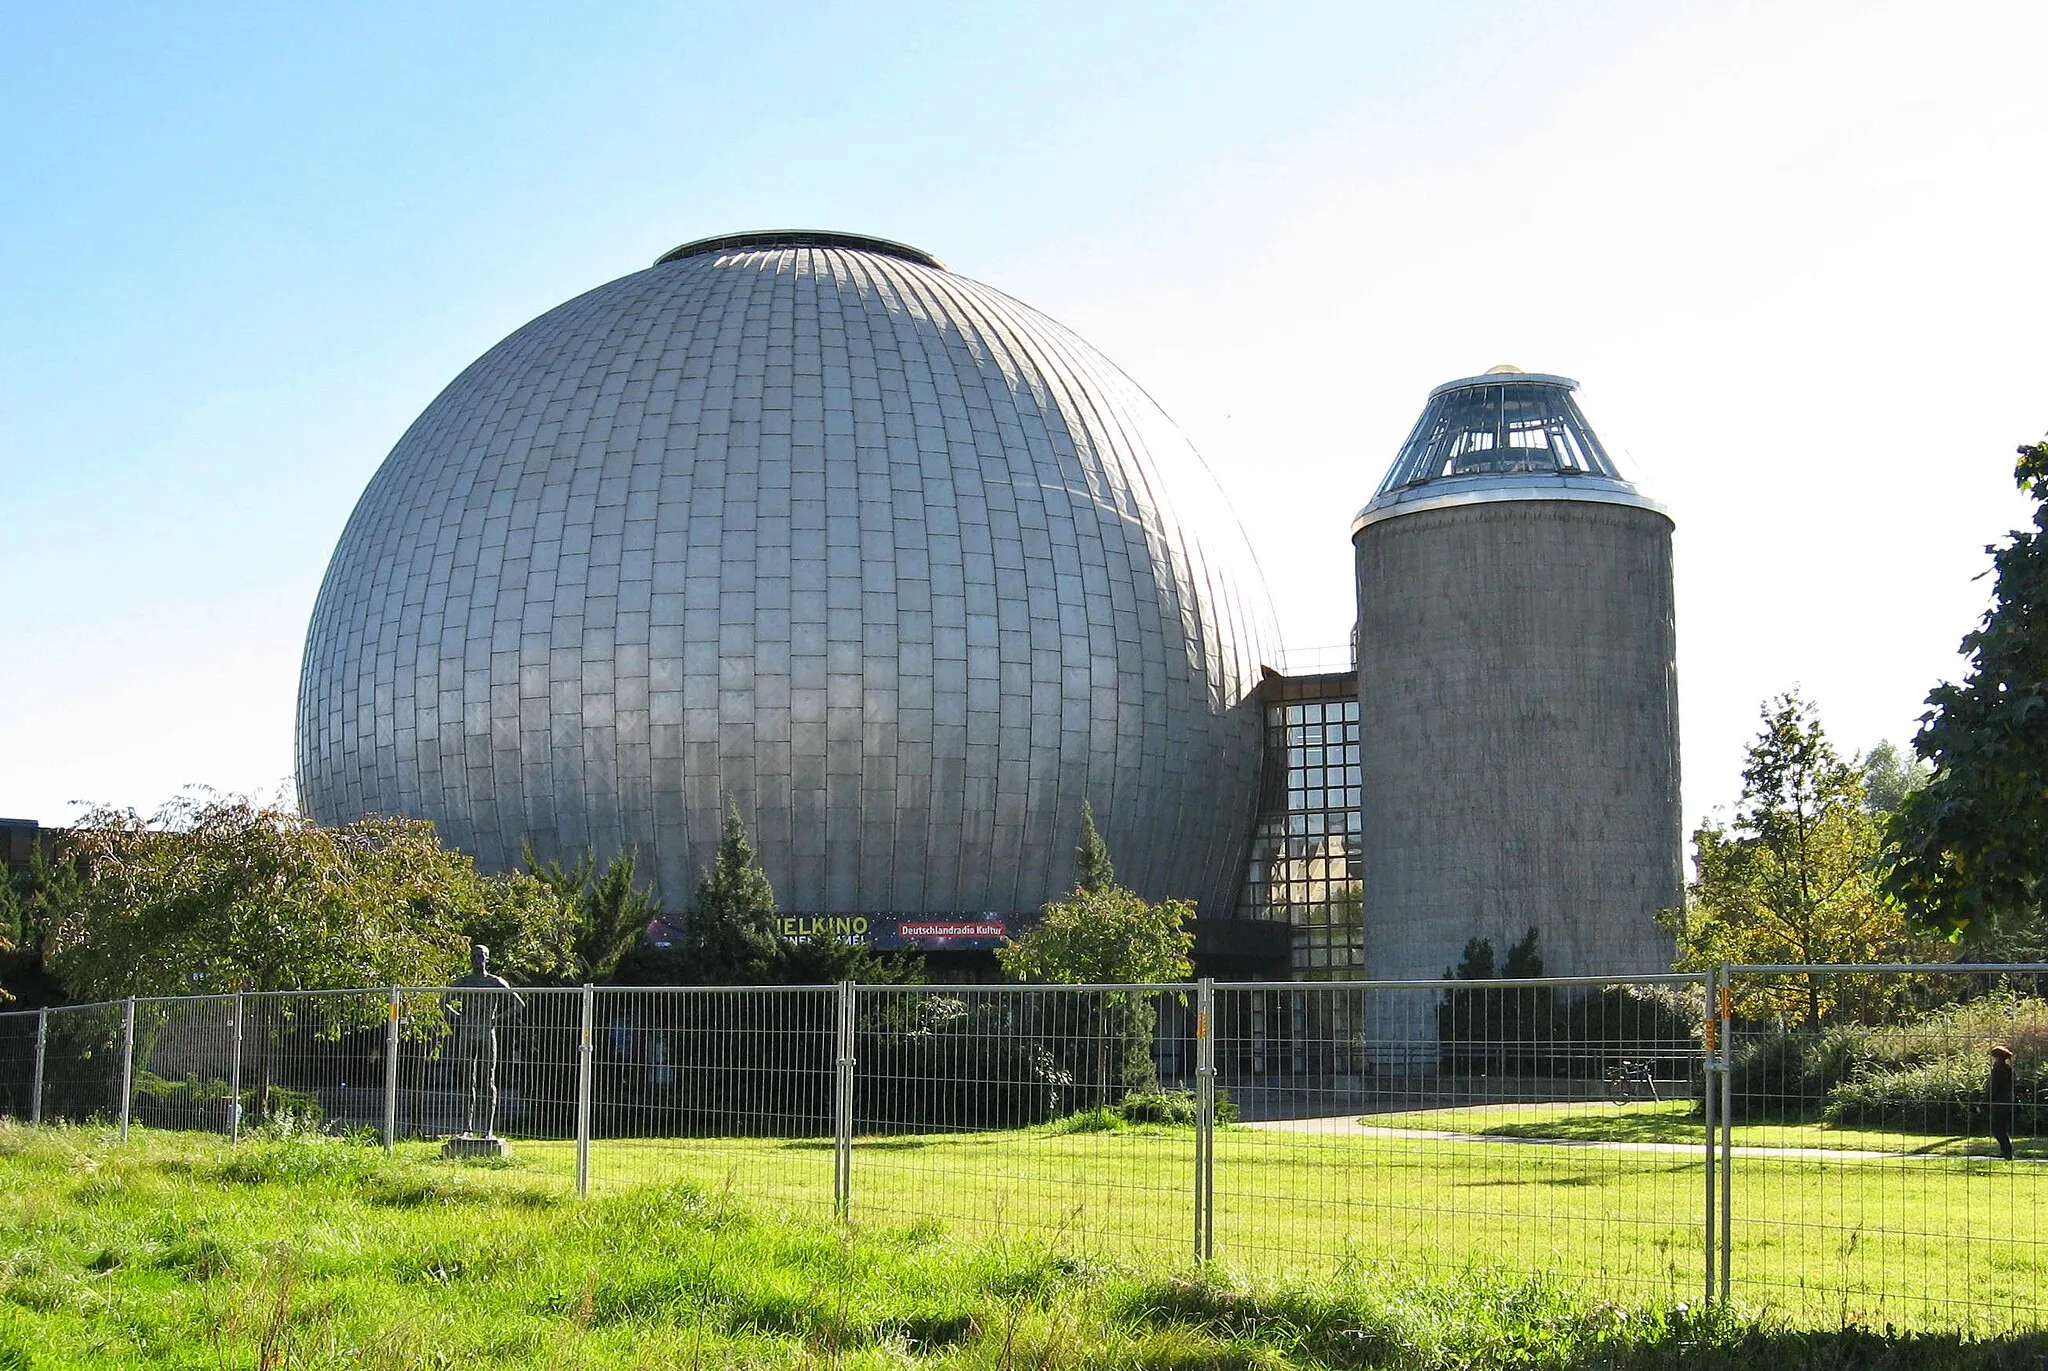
(176,1250)
(1915,1241)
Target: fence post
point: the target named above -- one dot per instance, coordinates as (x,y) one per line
(1710,1087)
(391,1073)
(1727,1008)
(235,1012)
(35,1104)
(842,1105)
(127,1062)
(583,1055)
(1205,1119)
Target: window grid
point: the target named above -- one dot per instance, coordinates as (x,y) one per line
(1304,863)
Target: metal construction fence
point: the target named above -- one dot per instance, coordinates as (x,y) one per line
(1811,1142)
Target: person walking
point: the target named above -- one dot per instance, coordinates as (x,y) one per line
(2001,1095)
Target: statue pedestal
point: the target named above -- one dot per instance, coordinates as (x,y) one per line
(468,1145)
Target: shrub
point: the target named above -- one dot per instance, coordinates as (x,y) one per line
(1171,1108)
(1785,1075)
(204,1103)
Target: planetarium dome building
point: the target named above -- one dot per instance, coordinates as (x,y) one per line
(806,524)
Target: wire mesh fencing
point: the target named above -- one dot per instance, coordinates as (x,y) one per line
(728,1088)
(82,1063)
(21,1061)
(1524,1126)
(1819,1143)
(1873,1173)
(1026,1111)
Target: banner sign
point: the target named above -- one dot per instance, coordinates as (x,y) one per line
(882,932)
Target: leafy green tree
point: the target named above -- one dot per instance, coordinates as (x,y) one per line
(221,893)
(1969,850)
(1889,776)
(1101,937)
(1108,935)
(32,901)
(1795,879)
(609,912)
(732,935)
(1093,868)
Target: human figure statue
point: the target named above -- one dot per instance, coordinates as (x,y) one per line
(2002,1096)
(475,1003)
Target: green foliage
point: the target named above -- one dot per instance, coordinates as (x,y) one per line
(1485,1030)
(1104,936)
(609,912)
(1108,935)
(1923,1073)
(221,893)
(732,936)
(1093,869)
(1970,848)
(1175,1108)
(1795,879)
(32,902)
(729,934)
(183,1252)
(1889,776)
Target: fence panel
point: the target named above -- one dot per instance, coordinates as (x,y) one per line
(726,1088)
(184,1070)
(1550,1126)
(18,1064)
(1865,1184)
(1030,1112)
(1528,1127)
(82,1063)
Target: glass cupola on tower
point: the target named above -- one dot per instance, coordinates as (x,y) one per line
(1506,435)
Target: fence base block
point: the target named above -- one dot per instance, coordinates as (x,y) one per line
(459,1149)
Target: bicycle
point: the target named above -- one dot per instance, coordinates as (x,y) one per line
(1628,1081)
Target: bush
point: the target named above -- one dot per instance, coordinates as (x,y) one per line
(1174,1108)
(1785,1076)
(1170,1108)
(1923,1075)
(203,1103)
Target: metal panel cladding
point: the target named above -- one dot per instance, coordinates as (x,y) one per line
(806,524)
(1518,691)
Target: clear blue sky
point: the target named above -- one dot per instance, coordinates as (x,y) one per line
(1793,253)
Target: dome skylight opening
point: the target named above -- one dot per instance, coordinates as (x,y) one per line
(1491,426)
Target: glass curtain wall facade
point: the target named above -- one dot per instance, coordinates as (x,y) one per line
(1304,868)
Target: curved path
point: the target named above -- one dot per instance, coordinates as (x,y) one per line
(1349,1126)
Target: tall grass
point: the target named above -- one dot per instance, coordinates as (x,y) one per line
(300,1250)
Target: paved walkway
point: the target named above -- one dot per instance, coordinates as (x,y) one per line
(1348,1126)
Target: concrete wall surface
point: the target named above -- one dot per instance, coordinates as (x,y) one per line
(1519,750)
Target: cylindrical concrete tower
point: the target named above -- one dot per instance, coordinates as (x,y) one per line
(1517,692)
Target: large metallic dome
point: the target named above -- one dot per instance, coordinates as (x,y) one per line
(804,523)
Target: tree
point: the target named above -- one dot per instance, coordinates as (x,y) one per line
(1795,879)
(220,893)
(1489,1029)
(1093,869)
(215,894)
(609,912)
(1108,935)
(1104,937)
(1889,776)
(729,933)
(1969,850)
(32,902)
